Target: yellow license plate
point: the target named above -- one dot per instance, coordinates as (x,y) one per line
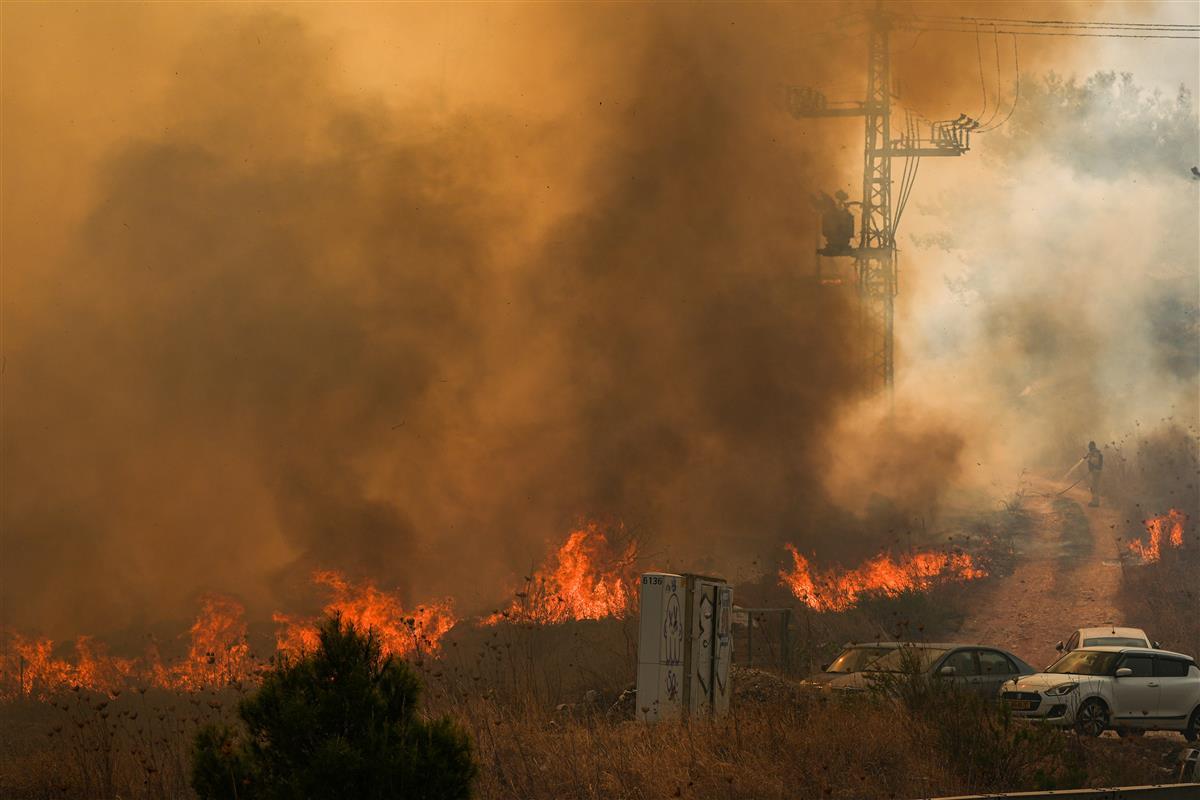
(1020,705)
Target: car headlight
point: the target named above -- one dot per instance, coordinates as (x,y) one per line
(1061,689)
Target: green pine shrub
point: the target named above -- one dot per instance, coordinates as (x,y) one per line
(342,721)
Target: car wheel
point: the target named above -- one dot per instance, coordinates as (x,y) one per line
(1126,733)
(1192,733)
(1092,718)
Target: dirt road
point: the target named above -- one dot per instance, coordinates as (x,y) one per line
(1067,577)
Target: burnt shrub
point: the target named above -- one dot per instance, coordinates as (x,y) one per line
(989,750)
(975,737)
(342,721)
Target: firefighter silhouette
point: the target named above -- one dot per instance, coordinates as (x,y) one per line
(1095,465)
(837,222)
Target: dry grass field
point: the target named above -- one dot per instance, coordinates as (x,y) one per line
(550,717)
(778,741)
(550,711)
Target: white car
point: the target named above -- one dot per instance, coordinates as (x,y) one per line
(1106,635)
(1129,689)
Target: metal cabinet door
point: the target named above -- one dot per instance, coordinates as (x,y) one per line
(723,658)
(698,666)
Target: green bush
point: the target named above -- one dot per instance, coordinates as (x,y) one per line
(340,722)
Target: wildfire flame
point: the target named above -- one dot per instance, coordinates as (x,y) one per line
(837,590)
(400,632)
(588,577)
(30,661)
(1171,524)
(218,653)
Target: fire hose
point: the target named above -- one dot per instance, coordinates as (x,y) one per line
(1064,477)
(1069,488)
(1068,473)
(1057,494)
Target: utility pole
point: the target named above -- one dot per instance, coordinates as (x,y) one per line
(875,260)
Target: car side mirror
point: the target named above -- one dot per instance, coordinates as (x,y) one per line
(1156,645)
(824,668)
(947,671)
(1124,672)
(1059,647)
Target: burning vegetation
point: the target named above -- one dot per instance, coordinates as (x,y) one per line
(218,654)
(590,577)
(401,632)
(839,590)
(1168,527)
(218,651)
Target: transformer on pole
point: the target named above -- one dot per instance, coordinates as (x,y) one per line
(875,260)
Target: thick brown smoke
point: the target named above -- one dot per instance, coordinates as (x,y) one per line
(301,327)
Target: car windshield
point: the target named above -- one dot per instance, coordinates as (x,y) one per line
(857,659)
(1084,662)
(1113,641)
(909,659)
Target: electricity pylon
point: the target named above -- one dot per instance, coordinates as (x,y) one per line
(875,256)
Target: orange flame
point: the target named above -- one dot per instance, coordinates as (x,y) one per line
(835,590)
(95,668)
(29,664)
(1171,524)
(401,632)
(218,652)
(217,655)
(588,577)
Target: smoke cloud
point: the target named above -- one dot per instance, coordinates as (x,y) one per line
(1069,313)
(277,321)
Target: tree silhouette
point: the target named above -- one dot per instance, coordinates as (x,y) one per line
(340,722)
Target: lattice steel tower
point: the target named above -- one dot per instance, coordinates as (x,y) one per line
(875,258)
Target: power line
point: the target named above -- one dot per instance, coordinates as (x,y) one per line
(982,85)
(1057,22)
(1034,32)
(1079,35)
(996,47)
(907,181)
(910,133)
(1016,90)
(909,175)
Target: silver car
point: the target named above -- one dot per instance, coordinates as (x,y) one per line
(855,657)
(972,667)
